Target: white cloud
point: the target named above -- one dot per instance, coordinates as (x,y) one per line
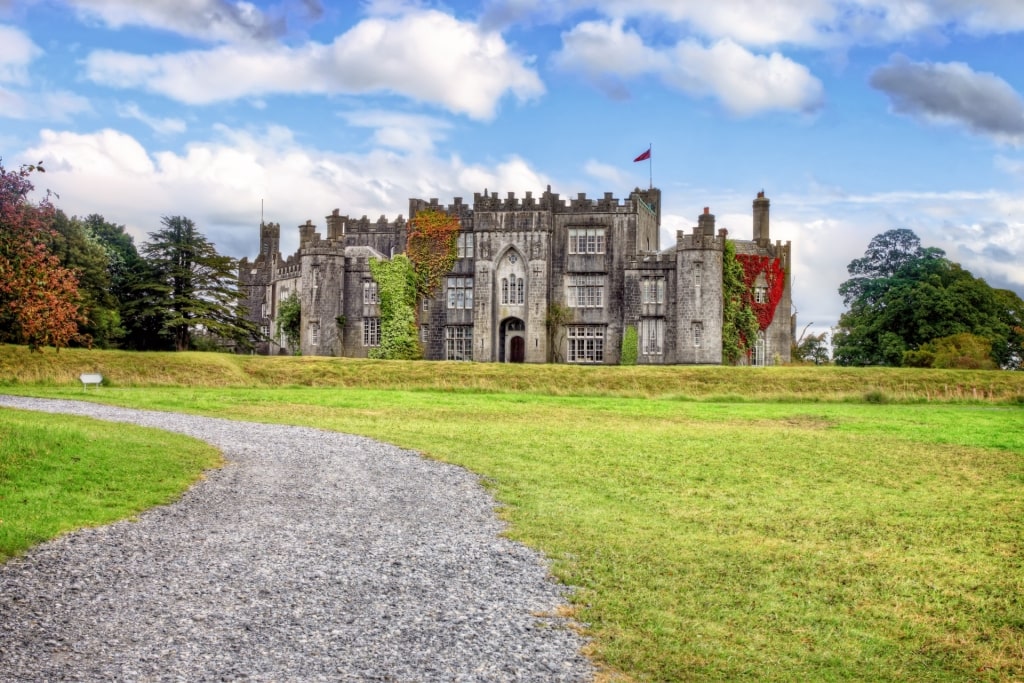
(745,83)
(808,23)
(58,105)
(474,71)
(221,182)
(397,130)
(215,20)
(612,176)
(16,52)
(163,126)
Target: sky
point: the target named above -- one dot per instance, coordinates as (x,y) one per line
(854,116)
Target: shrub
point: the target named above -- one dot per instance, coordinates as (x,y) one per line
(630,346)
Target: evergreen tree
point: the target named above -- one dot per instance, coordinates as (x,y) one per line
(194,286)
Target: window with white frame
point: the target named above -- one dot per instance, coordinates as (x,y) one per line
(586,343)
(698,335)
(652,290)
(371,331)
(759,355)
(512,290)
(652,336)
(460,292)
(697,273)
(265,331)
(314,334)
(263,310)
(424,333)
(370,295)
(458,343)
(464,244)
(586,240)
(586,291)
(761,295)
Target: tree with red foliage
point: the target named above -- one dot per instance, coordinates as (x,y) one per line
(39,302)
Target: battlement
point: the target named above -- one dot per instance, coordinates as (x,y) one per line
(701,240)
(338,225)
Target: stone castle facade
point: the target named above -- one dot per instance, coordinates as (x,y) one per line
(597,261)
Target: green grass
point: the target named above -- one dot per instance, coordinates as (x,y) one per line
(823,537)
(59,473)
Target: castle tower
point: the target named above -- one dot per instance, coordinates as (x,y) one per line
(699,292)
(270,241)
(761,207)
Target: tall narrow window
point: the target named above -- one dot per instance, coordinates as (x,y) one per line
(464,245)
(519,290)
(586,343)
(314,334)
(652,290)
(371,331)
(460,292)
(652,335)
(504,290)
(370,292)
(698,335)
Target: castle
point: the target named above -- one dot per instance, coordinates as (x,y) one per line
(597,261)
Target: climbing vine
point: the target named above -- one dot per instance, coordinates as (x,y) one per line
(630,346)
(289,321)
(775,279)
(432,248)
(739,324)
(397,289)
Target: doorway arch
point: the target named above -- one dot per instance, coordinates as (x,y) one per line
(512,344)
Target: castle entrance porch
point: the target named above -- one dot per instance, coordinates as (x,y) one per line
(512,345)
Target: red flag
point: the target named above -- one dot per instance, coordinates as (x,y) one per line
(643,157)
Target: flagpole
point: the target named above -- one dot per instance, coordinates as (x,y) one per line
(650,165)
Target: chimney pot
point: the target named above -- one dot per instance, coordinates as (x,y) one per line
(707,210)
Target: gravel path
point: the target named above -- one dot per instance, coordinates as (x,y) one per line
(311,556)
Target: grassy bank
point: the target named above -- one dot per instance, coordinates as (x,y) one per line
(19,367)
(59,473)
(818,539)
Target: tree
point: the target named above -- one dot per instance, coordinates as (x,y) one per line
(73,242)
(39,299)
(902,300)
(194,285)
(811,348)
(130,280)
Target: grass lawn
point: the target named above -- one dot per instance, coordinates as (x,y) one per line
(768,541)
(59,473)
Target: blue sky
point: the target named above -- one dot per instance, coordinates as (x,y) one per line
(854,116)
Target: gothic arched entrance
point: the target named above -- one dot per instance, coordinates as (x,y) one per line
(512,345)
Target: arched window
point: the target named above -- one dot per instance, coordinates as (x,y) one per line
(519,290)
(504,290)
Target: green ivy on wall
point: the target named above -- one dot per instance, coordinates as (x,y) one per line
(289,321)
(739,323)
(630,346)
(396,287)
